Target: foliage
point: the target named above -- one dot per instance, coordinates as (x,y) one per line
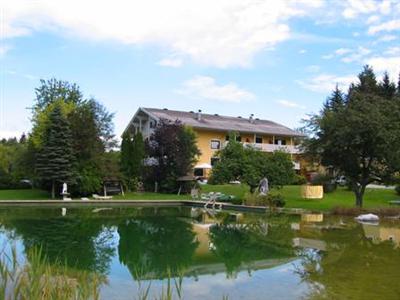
(90,133)
(358,134)
(54,163)
(138,155)
(397,189)
(272,200)
(14,156)
(131,159)
(249,165)
(299,180)
(40,279)
(52,90)
(320,179)
(173,148)
(126,162)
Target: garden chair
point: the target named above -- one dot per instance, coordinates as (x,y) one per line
(97,197)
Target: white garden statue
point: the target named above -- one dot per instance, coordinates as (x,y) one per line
(64,189)
(263,187)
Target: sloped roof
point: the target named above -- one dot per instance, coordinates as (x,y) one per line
(222,123)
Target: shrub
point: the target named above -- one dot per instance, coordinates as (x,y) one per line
(397,189)
(299,180)
(326,181)
(277,200)
(271,200)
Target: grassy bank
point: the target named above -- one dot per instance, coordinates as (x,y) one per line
(30,194)
(342,197)
(374,198)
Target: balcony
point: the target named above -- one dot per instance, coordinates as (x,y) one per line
(272,147)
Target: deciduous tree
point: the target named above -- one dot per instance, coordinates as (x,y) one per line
(361,139)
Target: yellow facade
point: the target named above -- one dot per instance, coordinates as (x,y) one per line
(205,138)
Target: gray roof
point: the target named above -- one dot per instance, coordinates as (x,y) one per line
(222,123)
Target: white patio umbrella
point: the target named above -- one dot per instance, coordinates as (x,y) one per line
(203,166)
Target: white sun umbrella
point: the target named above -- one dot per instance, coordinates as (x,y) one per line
(203,166)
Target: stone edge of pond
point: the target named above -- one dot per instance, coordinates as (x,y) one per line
(134,203)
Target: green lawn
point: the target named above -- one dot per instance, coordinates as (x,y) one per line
(374,198)
(342,197)
(24,194)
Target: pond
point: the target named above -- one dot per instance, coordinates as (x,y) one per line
(189,253)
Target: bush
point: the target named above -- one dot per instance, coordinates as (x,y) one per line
(277,200)
(320,179)
(299,180)
(326,181)
(271,200)
(397,189)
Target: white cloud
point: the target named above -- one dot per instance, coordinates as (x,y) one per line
(220,33)
(356,55)
(290,104)
(342,51)
(4,49)
(325,83)
(327,56)
(302,51)
(5,134)
(385,26)
(349,55)
(373,19)
(171,62)
(355,8)
(387,38)
(389,64)
(313,68)
(205,87)
(392,51)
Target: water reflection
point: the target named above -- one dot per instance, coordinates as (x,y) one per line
(315,255)
(350,260)
(156,248)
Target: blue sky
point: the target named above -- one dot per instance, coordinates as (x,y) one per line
(276,59)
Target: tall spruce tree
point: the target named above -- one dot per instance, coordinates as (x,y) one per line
(126,161)
(387,89)
(137,155)
(335,101)
(54,163)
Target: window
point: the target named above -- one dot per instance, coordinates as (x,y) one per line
(214,161)
(238,138)
(215,144)
(199,172)
(227,138)
(259,139)
(153,124)
(280,142)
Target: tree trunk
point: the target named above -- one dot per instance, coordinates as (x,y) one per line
(53,190)
(359,190)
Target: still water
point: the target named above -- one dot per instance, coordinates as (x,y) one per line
(200,254)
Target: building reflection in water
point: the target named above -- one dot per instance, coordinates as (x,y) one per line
(381,233)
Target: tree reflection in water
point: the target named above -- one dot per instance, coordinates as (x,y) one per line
(156,247)
(78,241)
(352,267)
(257,239)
